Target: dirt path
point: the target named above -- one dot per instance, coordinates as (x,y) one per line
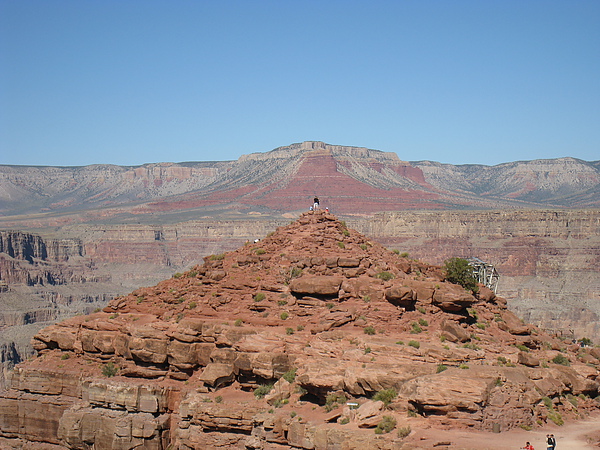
(582,435)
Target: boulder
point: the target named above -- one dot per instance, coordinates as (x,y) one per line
(217,374)
(316,285)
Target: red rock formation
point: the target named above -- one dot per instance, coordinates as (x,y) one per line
(322,312)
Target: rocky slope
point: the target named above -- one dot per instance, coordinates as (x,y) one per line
(355,339)
(354,180)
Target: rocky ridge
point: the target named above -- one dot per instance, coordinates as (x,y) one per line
(353,338)
(356,180)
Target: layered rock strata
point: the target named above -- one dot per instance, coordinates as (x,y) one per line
(311,338)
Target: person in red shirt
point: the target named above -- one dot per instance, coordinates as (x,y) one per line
(528,446)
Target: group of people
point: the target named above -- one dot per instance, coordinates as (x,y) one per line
(550,443)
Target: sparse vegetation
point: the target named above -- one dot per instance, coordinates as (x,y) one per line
(341,245)
(441,368)
(369,330)
(561,359)
(463,366)
(260,251)
(415,328)
(333,400)
(177,275)
(192,305)
(414,344)
(396,251)
(404,431)
(387,424)
(284,315)
(192,273)
(238,322)
(295,272)
(290,375)
(385,276)
(385,395)
(363,246)
(218,399)
(218,257)
(109,369)
(404,254)
(289,330)
(423,322)
(259,297)
(458,271)
(263,390)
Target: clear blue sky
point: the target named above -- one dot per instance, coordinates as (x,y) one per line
(131,82)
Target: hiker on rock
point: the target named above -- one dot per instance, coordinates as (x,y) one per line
(528,446)
(316,204)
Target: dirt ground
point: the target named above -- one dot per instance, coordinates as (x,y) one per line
(581,435)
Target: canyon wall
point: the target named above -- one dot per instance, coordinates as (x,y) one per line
(549,261)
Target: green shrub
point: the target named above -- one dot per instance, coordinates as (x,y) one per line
(295,272)
(385,276)
(263,390)
(441,368)
(414,344)
(385,395)
(369,330)
(259,297)
(415,328)
(300,327)
(346,233)
(218,399)
(333,400)
(341,245)
(282,302)
(284,315)
(423,322)
(404,254)
(363,246)
(463,366)
(260,251)
(561,359)
(481,326)
(65,356)
(177,275)
(289,330)
(192,305)
(522,348)
(396,251)
(109,370)
(458,271)
(290,375)
(238,322)
(387,424)
(421,310)
(218,257)
(404,431)
(330,305)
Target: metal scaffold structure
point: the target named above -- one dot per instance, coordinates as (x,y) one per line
(485,273)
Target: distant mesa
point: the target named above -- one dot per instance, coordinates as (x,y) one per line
(354,180)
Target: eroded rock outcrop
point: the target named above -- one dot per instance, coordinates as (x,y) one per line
(309,338)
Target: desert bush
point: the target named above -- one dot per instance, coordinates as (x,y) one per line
(238,322)
(259,297)
(263,390)
(441,368)
(260,251)
(369,330)
(415,328)
(423,322)
(284,315)
(404,431)
(341,245)
(109,370)
(414,344)
(385,395)
(289,330)
(458,271)
(218,257)
(290,375)
(387,424)
(385,276)
(561,359)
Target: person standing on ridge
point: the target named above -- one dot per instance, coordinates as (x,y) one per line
(316,204)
